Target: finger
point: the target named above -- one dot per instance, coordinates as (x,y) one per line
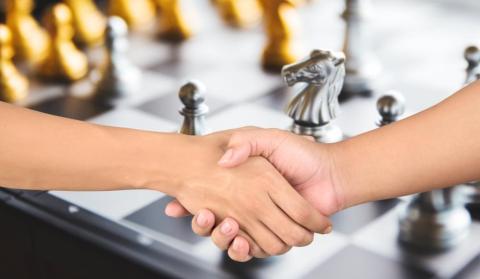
(239,250)
(267,240)
(235,156)
(254,248)
(224,233)
(285,228)
(300,211)
(175,209)
(203,222)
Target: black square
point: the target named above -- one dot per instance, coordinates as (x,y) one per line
(71,107)
(352,219)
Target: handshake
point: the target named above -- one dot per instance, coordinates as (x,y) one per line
(259,192)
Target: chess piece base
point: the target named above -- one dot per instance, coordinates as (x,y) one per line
(433,230)
(328,133)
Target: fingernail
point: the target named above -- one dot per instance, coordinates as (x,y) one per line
(201,220)
(236,244)
(226,228)
(328,230)
(226,157)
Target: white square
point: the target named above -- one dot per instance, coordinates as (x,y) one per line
(248,115)
(114,205)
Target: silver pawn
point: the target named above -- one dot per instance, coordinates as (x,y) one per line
(361,64)
(390,107)
(315,106)
(119,77)
(192,95)
(472,55)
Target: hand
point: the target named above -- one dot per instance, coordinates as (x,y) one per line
(308,166)
(267,208)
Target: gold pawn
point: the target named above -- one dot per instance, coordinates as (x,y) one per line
(64,62)
(172,23)
(31,41)
(88,21)
(239,13)
(280,23)
(137,13)
(13,85)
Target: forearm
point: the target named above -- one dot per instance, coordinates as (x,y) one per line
(39,151)
(436,148)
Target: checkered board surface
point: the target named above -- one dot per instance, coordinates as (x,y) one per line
(421,57)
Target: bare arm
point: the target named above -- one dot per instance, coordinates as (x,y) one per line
(40,151)
(436,148)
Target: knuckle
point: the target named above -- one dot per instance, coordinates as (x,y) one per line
(302,215)
(277,248)
(307,239)
(295,239)
(219,241)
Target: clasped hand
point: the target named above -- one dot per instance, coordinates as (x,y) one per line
(275,191)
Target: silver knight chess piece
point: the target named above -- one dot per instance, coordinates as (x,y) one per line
(119,77)
(361,65)
(390,107)
(315,105)
(192,95)
(472,55)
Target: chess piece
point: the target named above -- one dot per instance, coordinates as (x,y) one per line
(119,77)
(315,106)
(361,65)
(239,13)
(137,13)
(192,95)
(31,41)
(172,24)
(88,21)
(434,221)
(64,62)
(472,55)
(281,24)
(13,85)
(390,107)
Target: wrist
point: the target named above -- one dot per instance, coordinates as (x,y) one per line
(342,174)
(155,160)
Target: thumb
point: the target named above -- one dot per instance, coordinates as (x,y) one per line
(248,143)
(235,155)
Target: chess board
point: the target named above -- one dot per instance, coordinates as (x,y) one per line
(420,45)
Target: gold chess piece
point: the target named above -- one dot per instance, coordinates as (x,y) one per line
(137,13)
(280,23)
(172,23)
(31,41)
(88,21)
(64,62)
(239,13)
(13,85)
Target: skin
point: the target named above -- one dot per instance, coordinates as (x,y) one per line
(433,149)
(45,152)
